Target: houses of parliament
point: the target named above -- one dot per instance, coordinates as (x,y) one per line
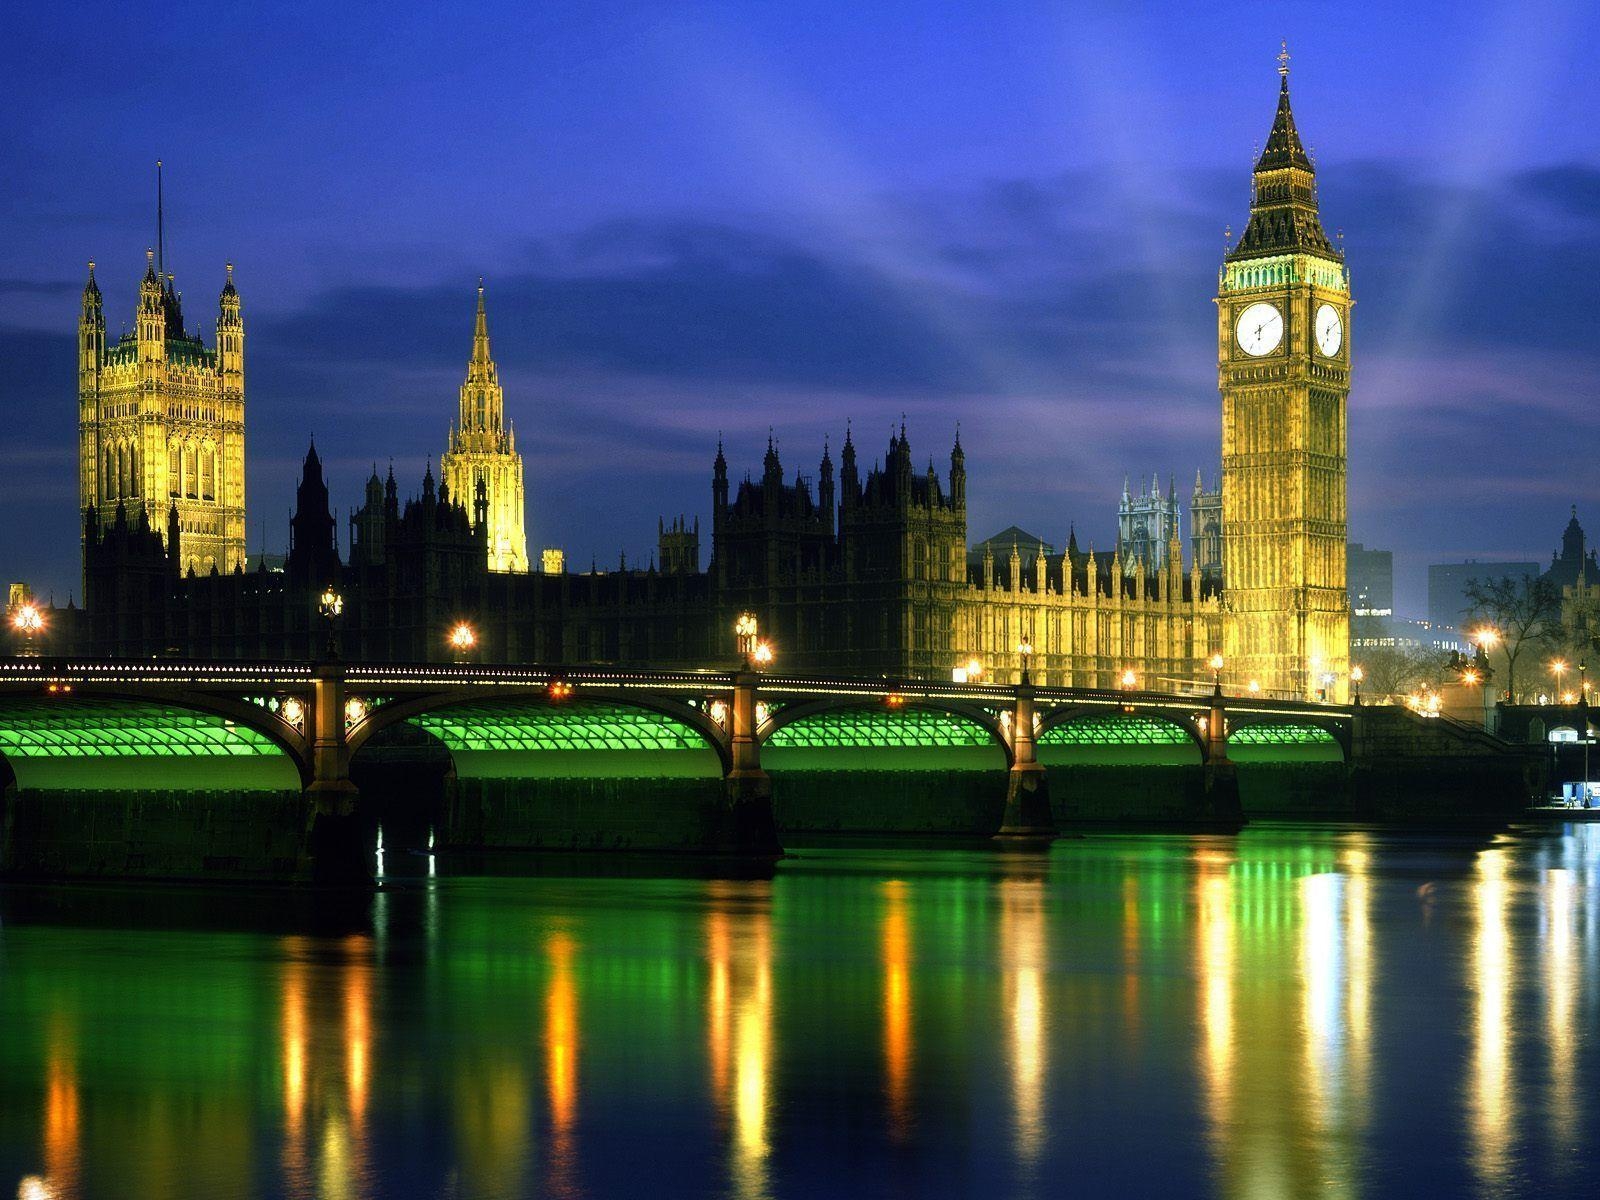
(871,572)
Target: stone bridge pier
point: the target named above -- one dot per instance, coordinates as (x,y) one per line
(333,836)
(1027,814)
(748,825)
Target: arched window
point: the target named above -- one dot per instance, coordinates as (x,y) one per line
(108,475)
(208,473)
(190,474)
(174,471)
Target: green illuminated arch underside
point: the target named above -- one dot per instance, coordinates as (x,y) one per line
(576,726)
(865,728)
(1115,731)
(116,729)
(1281,735)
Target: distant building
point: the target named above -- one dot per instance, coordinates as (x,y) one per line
(1569,562)
(1146,525)
(1205,529)
(1371,581)
(1447,586)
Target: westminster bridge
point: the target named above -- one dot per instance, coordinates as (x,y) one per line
(185,769)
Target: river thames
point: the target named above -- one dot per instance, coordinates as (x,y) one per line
(1291,1012)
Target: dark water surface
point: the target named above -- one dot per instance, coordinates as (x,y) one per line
(1292,1012)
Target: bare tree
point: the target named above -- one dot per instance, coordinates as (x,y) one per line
(1524,614)
(1400,670)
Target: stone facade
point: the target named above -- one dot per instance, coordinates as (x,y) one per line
(1283,354)
(161,421)
(482,452)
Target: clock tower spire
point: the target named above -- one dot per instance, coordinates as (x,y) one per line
(1283,358)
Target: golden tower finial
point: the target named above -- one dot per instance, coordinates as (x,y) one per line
(1283,58)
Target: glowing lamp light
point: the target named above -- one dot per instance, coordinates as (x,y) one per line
(762,654)
(1254,686)
(559,689)
(1469,677)
(895,700)
(1129,679)
(974,670)
(28,620)
(330,604)
(463,638)
(355,710)
(293,711)
(1216,662)
(1486,637)
(1357,674)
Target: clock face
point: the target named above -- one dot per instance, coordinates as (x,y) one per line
(1330,330)
(1259,329)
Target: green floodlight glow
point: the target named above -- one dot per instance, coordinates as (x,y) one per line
(1281,735)
(568,726)
(1115,731)
(91,728)
(875,728)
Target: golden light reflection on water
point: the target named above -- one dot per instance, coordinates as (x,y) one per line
(1215,951)
(1561,987)
(1490,1101)
(62,1130)
(1284,978)
(1024,963)
(326,1068)
(897,1030)
(738,945)
(561,1062)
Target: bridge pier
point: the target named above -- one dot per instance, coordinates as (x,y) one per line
(1027,815)
(335,840)
(1222,805)
(746,824)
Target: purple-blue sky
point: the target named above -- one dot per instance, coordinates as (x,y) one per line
(696,218)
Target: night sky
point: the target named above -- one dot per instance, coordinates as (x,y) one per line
(695,218)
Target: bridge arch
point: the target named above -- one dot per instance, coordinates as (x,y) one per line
(526,722)
(853,724)
(155,740)
(851,764)
(1287,739)
(1148,736)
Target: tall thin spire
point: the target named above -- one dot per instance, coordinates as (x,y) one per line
(161,227)
(480,330)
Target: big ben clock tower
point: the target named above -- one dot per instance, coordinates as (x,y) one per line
(1283,364)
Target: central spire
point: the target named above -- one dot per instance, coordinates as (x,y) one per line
(1283,205)
(481,369)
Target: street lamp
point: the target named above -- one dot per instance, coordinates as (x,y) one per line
(1025,651)
(330,607)
(1356,676)
(1558,669)
(1129,679)
(1327,685)
(1254,687)
(744,635)
(29,622)
(1216,673)
(462,640)
(761,656)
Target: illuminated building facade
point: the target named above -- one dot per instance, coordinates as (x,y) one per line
(482,452)
(1283,357)
(161,423)
(872,572)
